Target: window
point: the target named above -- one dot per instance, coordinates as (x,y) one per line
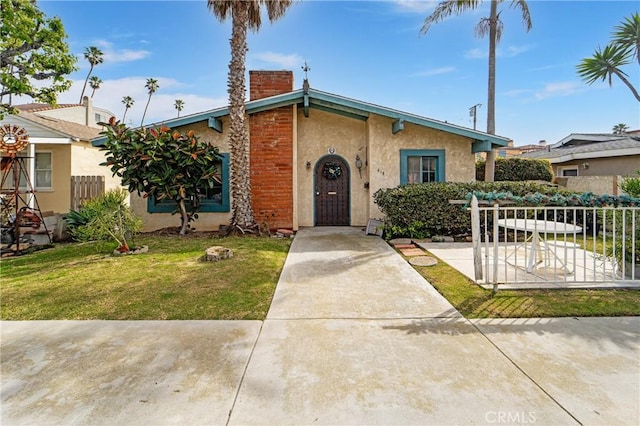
(420,166)
(215,199)
(568,171)
(43,170)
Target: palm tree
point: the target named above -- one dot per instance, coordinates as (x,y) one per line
(94,83)
(179,105)
(244,15)
(607,62)
(94,56)
(128,103)
(493,26)
(620,128)
(152,87)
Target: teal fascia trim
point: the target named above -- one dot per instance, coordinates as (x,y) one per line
(480,146)
(306,105)
(207,206)
(440,162)
(397,126)
(341,112)
(216,124)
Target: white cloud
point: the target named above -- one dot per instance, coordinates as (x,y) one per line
(435,71)
(416,6)
(506,52)
(516,92)
(113,55)
(285,61)
(564,88)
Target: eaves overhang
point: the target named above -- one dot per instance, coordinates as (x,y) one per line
(339,105)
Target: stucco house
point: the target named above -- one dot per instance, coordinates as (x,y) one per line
(59,148)
(592,161)
(317,158)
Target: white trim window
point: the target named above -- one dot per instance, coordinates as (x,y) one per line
(568,171)
(43,170)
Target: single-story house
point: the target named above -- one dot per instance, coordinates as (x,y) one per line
(59,149)
(592,154)
(317,158)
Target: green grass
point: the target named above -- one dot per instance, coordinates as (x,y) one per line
(475,302)
(78,281)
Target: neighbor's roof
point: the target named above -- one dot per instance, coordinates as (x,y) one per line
(333,103)
(578,146)
(35,107)
(62,127)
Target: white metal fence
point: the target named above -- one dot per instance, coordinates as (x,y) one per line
(556,247)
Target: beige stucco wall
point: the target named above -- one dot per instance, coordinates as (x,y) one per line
(626,165)
(205,221)
(384,154)
(85,161)
(57,199)
(316,135)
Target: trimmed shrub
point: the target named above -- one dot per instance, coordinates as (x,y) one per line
(424,210)
(517,169)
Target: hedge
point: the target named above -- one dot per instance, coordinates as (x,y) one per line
(424,210)
(517,169)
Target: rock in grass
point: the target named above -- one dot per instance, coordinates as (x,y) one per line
(217,253)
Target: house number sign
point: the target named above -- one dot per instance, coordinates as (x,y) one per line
(332,150)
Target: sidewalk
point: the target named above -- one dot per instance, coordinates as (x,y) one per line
(354,336)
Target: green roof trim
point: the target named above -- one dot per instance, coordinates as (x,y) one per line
(339,105)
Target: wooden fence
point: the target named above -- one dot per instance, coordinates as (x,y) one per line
(84,188)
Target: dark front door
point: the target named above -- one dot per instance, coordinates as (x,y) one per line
(332,192)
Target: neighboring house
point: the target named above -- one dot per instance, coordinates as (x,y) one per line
(513,151)
(317,158)
(596,158)
(59,148)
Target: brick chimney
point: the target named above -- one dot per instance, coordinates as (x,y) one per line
(271,151)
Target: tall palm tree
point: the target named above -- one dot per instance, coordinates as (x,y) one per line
(179,105)
(244,15)
(94,83)
(95,57)
(493,26)
(620,128)
(608,61)
(152,87)
(128,103)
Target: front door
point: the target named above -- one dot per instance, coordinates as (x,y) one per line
(332,192)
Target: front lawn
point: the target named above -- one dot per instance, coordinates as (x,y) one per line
(78,282)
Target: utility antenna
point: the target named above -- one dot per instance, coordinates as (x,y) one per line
(473,113)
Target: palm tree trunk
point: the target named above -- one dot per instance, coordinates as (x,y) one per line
(490,163)
(629,85)
(145,110)
(240,185)
(86,80)
(125,113)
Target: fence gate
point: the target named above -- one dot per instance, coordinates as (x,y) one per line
(84,188)
(556,247)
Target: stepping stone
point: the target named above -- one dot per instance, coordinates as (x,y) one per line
(400,241)
(404,246)
(423,261)
(412,252)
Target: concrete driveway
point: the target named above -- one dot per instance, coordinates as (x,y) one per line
(354,336)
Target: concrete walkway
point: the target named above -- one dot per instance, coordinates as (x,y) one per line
(354,336)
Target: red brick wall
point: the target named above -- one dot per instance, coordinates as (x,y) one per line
(271,134)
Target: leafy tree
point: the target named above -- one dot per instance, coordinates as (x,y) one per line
(244,15)
(179,105)
(128,103)
(162,164)
(94,83)
(32,48)
(152,87)
(95,57)
(608,61)
(619,129)
(492,26)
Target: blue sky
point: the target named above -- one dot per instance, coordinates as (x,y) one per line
(366,50)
